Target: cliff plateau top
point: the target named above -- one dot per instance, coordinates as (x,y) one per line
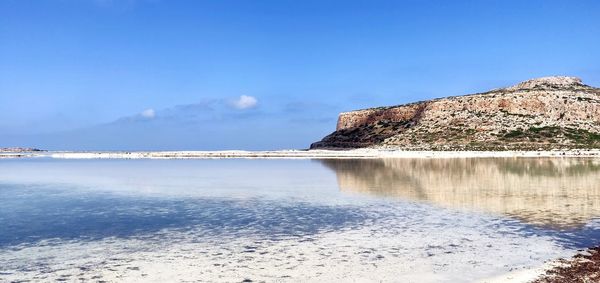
(554,81)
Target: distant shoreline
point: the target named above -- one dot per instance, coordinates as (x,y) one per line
(296,154)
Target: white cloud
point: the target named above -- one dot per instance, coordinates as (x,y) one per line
(244,102)
(148,113)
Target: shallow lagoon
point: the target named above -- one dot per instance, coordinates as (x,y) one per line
(229,220)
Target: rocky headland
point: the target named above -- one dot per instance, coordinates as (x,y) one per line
(550,113)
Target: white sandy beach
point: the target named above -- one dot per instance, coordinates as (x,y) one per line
(299,154)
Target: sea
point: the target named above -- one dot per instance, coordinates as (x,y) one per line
(293,220)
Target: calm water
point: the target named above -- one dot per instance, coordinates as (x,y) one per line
(422,220)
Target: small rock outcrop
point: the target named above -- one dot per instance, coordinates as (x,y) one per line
(544,113)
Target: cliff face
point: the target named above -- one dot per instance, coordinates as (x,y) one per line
(544,113)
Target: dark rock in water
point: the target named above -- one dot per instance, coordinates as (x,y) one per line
(545,113)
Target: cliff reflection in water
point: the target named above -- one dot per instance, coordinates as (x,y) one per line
(555,192)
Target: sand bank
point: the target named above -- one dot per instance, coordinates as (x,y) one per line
(292,154)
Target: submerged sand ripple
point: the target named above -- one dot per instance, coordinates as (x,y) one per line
(422,245)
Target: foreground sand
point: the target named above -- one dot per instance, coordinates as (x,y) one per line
(349,255)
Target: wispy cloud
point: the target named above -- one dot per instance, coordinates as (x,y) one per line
(204,111)
(244,102)
(148,113)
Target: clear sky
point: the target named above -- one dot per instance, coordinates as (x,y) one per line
(135,74)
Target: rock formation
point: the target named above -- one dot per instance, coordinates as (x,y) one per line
(544,113)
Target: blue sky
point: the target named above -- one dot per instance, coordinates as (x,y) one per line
(135,74)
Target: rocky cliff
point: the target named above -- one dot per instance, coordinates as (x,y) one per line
(544,113)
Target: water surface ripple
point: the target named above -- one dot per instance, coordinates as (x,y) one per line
(426,220)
